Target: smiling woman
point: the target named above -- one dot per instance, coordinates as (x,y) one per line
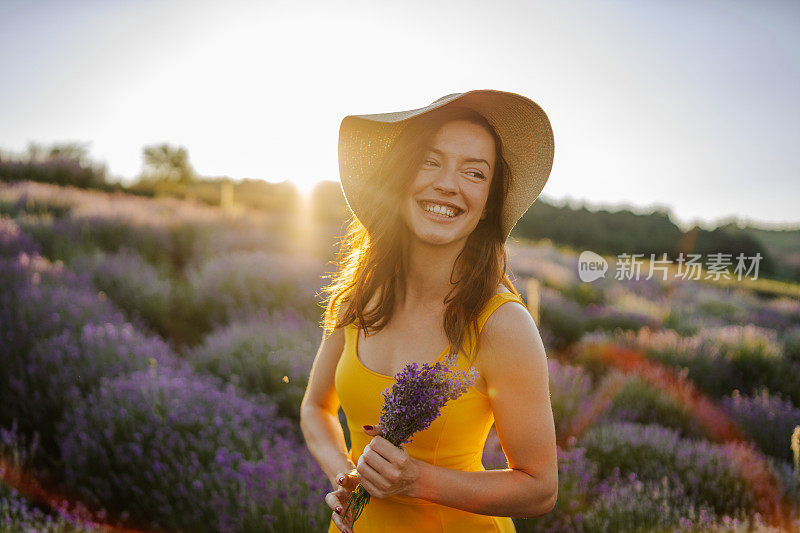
(447,197)
(434,193)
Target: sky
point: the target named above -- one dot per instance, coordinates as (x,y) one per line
(683,105)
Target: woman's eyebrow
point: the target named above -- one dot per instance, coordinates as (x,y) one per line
(467,160)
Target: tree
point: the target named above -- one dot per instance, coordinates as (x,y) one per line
(168,163)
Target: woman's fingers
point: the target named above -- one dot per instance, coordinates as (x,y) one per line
(375,460)
(344,523)
(373,430)
(337,521)
(332,501)
(350,482)
(337,501)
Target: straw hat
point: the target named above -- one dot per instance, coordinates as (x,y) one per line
(524,131)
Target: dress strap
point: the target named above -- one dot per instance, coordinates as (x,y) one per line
(494,302)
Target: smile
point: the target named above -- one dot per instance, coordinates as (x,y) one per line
(439,212)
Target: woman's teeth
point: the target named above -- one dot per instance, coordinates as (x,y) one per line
(439,210)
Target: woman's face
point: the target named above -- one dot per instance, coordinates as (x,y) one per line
(447,197)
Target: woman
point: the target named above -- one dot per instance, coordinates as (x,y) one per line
(434,193)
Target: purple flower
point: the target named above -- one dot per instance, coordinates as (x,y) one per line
(417,396)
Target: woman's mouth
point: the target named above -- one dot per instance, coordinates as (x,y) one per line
(439,212)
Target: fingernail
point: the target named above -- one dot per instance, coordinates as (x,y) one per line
(340,479)
(367,427)
(339,510)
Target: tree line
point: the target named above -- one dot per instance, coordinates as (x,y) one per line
(166,169)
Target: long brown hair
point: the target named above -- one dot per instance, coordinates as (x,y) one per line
(371,256)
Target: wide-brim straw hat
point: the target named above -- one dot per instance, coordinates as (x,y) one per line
(522,125)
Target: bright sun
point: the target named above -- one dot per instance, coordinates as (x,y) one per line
(304,187)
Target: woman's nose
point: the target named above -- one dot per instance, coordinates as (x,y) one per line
(446,180)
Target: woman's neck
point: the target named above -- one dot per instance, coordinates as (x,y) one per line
(427,275)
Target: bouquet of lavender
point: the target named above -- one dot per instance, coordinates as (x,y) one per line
(411,404)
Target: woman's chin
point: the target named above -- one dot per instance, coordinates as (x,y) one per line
(436,238)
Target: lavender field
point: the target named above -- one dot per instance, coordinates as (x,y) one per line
(154,353)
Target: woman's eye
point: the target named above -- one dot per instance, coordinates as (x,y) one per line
(429,161)
(479,175)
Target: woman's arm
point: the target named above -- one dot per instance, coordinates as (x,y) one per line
(507,492)
(513,362)
(319,411)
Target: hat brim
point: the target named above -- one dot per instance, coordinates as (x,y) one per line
(522,126)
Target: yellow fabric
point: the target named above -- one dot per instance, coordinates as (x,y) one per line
(454,440)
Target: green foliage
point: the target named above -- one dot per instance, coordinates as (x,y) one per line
(730,239)
(601,231)
(168,163)
(60,164)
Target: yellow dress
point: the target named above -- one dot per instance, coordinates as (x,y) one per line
(454,440)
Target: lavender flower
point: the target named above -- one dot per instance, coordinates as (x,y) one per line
(411,404)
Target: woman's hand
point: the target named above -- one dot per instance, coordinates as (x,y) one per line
(337,500)
(384,469)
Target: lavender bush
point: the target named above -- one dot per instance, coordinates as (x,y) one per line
(640,402)
(578,488)
(58,340)
(493,455)
(39,300)
(166,232)
(589,502)
(746,524)
(647,506)
(545,263)
(13,240)
(59,239)
(651,452)
(570,390)
(16,512)
(246,282)
(780,314)
(766,418)
(695,306)
(62,370)
(16,201)
(719,360)
(133,284)
(563,318)
(608,318)
(177,450)
(267,353)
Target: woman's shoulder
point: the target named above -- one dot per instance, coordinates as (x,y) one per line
(508,316)
(510,335)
